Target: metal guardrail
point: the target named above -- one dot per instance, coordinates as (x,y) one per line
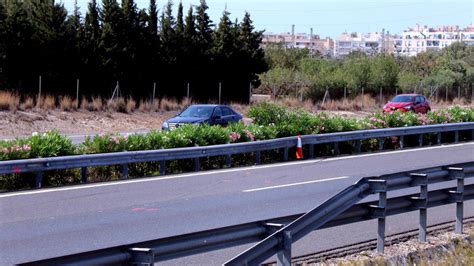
(40,165)
(279,233)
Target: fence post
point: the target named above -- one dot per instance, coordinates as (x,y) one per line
(402,142)
(250,92)
(378,211)
(154,90)
(336,148)
(257,157)
(187,91)
(125,171)
(162,167)
(38,179)
(284,256)
(422,181)
(197,164)
(39,93)
(77,93)
(220,92)
(357,146)
(84,174)
(381,143)
(458,174)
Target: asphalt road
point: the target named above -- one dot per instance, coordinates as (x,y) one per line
(47,223)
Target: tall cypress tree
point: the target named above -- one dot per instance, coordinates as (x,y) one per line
(111,42)
(204,30)
(153,17)
(3,35)
(179,21)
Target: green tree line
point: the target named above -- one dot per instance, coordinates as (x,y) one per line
(120,42)
(437,74)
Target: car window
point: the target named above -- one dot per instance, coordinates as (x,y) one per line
(418,99)
(227,111)
(218,111)
(402,99)
(197,111)
(423,99)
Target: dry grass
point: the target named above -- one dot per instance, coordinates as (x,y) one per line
(46,103)
(27,104)
(97,104)
(169,104)
(67,104)
(9,101)
(359,103)
(131,105)
(117,105)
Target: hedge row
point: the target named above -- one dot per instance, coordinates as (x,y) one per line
(270,121)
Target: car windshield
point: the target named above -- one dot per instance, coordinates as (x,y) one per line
(402,99)
(197,111)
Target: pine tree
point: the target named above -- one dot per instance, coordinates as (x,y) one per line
(167,33)
(153,17)
(3,35)
(111,42)
(179,21)
(204,30)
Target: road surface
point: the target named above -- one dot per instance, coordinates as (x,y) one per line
(47,223)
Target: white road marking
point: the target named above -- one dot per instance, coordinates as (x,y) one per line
(297,184)
(151,179)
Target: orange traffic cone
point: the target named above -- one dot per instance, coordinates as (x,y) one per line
(299,149)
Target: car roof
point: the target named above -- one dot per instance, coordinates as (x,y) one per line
(409,94)
(210,105)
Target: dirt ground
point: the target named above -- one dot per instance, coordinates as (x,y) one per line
(79,122)
(23,123)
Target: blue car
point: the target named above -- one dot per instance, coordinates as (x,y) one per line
(212,114)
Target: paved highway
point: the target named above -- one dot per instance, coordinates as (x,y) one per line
(47,223)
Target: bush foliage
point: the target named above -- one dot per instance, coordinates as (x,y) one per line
(270,121)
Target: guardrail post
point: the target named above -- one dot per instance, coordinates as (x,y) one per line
(38,179)
(381,143)
(84,174)
(197,164)
(284,256)
(438,138)
(124,171)
(420,140)
(285,154)
(357,146)
(228,160)
(311,151)
(380,186)
(162,167)
(142,256)
(257,157)
(458,174)
(456,136)
(422,181)
(402,142)
(472,135)
(335,146)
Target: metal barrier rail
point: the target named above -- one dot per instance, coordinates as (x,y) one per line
(40,165)
(280,232)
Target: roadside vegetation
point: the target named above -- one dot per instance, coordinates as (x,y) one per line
(269,121)
(439,75)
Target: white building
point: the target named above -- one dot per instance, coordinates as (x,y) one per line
(369,43)
(421,38)
(312,42)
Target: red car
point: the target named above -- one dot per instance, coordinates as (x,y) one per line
(408,103)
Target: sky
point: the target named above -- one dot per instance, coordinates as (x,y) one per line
(331,17)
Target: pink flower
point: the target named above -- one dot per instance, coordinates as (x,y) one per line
(26,147)
(234,136)
(250,135)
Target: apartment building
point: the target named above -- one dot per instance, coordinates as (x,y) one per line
(421,38)
(313,43)
(369,43)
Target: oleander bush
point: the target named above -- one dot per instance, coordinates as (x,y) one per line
(269,121)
